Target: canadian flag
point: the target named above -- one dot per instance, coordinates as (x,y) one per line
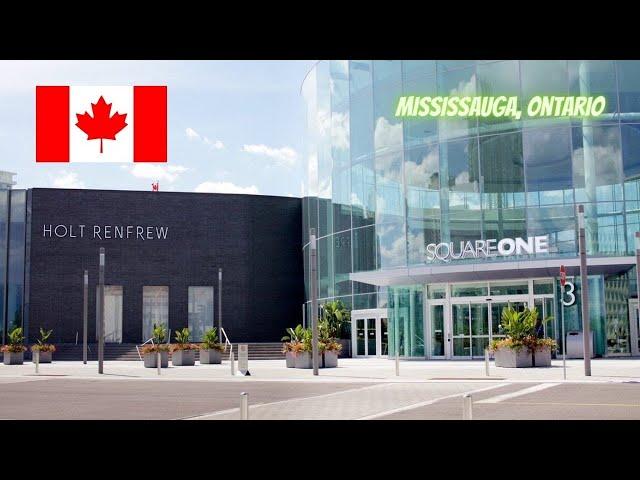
(101,124)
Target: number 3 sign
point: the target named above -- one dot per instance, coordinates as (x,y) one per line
(569,289)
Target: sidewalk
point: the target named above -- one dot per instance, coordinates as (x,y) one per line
(350,370)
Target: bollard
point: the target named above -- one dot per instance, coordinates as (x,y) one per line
(486,361)
(159,363)
(233,363)
(244,406)
(37,360)
(397,363)
(467,407)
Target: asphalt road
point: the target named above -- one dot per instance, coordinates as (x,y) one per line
(66,398)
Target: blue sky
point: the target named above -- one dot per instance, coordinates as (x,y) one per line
(234,126)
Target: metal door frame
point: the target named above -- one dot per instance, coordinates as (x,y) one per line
(371,313)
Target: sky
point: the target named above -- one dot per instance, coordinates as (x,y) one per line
(233,126)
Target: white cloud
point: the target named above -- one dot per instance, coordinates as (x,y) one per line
(284,156)
(225,187)
(150,171)
(68,180)
(387,134)
(193,135)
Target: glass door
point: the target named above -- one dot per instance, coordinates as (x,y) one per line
(370,333)
(383,336)
(634,323)
(112,314)
(479,328)
(461,330)
(496,315)
(436,316)
(361,335)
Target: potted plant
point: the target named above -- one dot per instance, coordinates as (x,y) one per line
(210,348)
(150,351)
(44,349)
(338,316)
(328,346)
(521,344)
(295,336)
(14,351)
(183,353)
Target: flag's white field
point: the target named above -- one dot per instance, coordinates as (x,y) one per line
(118,150)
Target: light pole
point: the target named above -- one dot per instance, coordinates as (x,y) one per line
(85,311)
(101,313)
(637,278)
(220,303)
(314,300)
(563,281)
(584,282)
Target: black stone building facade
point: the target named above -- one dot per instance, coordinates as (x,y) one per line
(154,241)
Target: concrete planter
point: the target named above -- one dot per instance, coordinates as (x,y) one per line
(329,360)
(210,356)
(151,360)
(303,360)
(512,358)
(183,358)
(542,357)
(13,358)
(45,357)
(291,359)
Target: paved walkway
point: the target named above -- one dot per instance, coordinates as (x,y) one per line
(350,370)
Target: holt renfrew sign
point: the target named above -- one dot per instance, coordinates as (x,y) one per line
(106,232)
(488,248)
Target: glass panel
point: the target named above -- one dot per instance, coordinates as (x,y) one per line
(437,291)
(498,79)
(200,311)
(155,309)
(469,289)
(595,78)
(630,149)
(616,299)
(496,315)
(360,348)
(460,319)
(504,288)
(462,347)
(542,286)
(629,85)
(371,336)
(342,262)
(384,336)
(4,230)
(436,314)
(461,83)
(478,345)
(479,319)
(543,77)
(16,263)
(112,314)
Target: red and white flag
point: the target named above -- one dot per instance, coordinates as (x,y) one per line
(101,124)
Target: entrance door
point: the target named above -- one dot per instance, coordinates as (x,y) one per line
(634,323)
(112,314)
(369,333)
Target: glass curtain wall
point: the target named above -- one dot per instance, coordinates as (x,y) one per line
(4,233)
(200,311)
(155,309)
(15,266)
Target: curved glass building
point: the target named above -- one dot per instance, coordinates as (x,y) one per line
(428,227)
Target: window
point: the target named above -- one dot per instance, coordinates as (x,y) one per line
(155,309)
(200,311)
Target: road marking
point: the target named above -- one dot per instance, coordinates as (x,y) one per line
(577,404)
(526,391)
(259,405)
(425,403)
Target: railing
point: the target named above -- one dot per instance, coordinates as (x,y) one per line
(226,341)
(143,344)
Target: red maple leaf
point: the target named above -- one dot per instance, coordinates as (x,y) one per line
(101,125)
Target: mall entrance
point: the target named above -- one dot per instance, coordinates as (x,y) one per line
(369,333)
(463,318)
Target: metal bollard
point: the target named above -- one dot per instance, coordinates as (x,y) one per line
(232,359)
(244,406)
(397,364)
(37,360)
(467,407)
(486,361)
(159,362)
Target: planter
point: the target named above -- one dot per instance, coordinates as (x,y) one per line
(13,358)
(542,358)
(512,358)
(183,358)
(151,360)
(210,356)
(45,357)
(303,360)
(329,360)
(291,359)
